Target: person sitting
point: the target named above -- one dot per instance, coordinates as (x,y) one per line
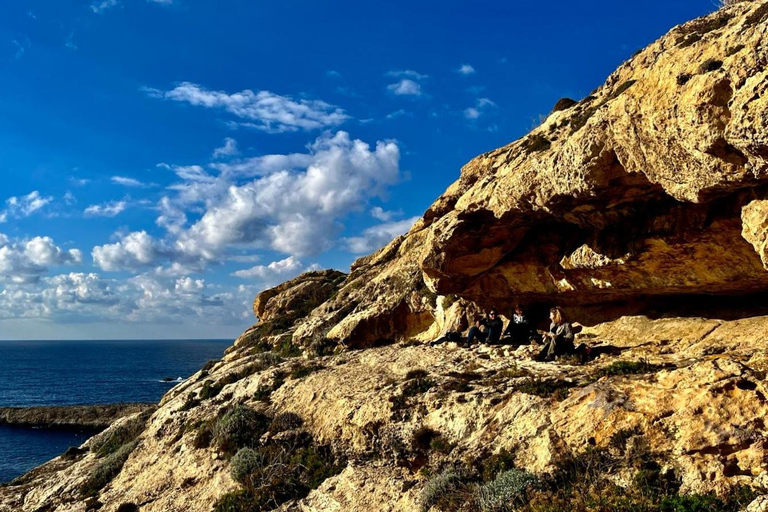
(519,330)
(492,333)
(559,340)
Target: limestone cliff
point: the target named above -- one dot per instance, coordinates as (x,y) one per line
(643,208)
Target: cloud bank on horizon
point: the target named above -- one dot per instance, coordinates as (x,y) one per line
(168,178)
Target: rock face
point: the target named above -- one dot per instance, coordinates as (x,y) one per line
(641,208)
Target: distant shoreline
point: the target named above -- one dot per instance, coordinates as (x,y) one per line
(96,417)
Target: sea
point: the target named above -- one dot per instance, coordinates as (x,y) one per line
(39,373)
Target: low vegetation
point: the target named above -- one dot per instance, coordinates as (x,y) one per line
(114,439)
(555,388)
(581,482)
(627,368)
(239,427)
(279,471)
(107,469)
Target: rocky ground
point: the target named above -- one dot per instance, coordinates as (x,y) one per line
(90,416)
(642,209)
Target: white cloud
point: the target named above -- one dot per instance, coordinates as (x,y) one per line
(263,165)
(333,74)
(26,261)
(377,212)
(375,237)
(228,149)
(276,272)
(135,250)
(405,87)
(88,298)
(408,73)
(295,212)
(293,204)
(399,113)
(127,182)
(465,69)
(263,110)
(110,209)
(24,206)
(99,7)
(188,285)
(481,106)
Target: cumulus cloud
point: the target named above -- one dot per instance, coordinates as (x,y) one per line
(262,110)
(26,261)
(405,87)
(228,149)
(465,69)
(293,204)
(133,251)
(375,237)
(24,206)
(295,212)
(111,209)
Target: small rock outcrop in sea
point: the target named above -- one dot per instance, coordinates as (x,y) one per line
(642,209)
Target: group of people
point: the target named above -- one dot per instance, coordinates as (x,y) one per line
(559,340)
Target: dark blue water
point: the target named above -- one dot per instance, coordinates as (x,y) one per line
(35,373)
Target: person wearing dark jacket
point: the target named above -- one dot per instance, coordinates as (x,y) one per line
(519,329)
(559,339)
(493,327)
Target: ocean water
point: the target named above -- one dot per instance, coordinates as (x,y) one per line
(37,373)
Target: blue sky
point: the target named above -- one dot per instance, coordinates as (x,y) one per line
(164,160)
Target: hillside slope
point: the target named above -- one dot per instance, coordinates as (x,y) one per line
(643,209)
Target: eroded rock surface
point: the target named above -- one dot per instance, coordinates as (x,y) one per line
(647,196)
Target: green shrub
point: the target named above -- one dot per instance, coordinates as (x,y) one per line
(556,388)
(239,427)
(203,435)
(506,492)
(316,463)
(497,463)
(449,487)
(245,462)
(115,438)
(285,421)
(238,501)
(288,349)
(209,390)
(107,469)
(627,368)
(692,503)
